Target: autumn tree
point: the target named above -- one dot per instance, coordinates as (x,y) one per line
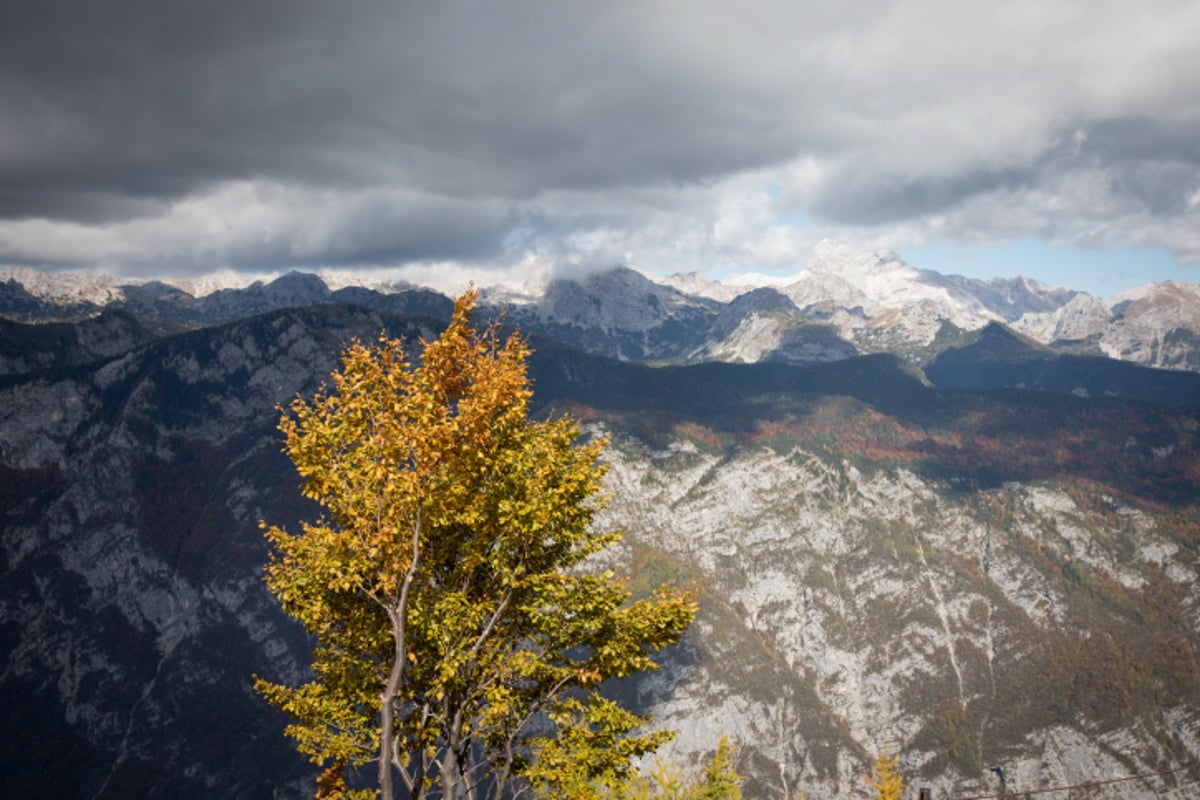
(885,778)
(459,640)
(718,780)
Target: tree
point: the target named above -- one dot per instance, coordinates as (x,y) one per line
(718,781)
(459,641)
(885,777)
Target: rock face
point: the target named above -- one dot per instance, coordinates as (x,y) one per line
(970,578)
(625,315)
(1157,325)
(848,611)
(764,325)
(132,611)
(29,348)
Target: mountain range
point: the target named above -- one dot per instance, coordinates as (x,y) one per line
(843,302)
(959,520)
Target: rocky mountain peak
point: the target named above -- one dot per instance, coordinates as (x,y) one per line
(761,299)
(1169,301)
(1080,318)
(617,299)
(997,340)
(830,257)
(874,301)
(298,288)
(700,285)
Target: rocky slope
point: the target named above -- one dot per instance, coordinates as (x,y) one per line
(27,348)
(132,615)
(1000,358)
(973,579)
(623,314)
(847,611)
(1154,326)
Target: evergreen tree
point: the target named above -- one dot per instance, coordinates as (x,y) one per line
(885,777)
(720,781)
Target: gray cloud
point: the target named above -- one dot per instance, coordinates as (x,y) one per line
(275,132)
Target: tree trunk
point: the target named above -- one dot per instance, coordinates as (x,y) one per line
(450,775)
(387,713)
(454,761)
(397,615)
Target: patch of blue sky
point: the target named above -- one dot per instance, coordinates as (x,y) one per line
(796,220)
(1101,273)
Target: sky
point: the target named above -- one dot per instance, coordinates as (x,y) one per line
(1057,140)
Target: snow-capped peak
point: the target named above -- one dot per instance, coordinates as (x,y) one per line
(834,258)
(65,287)
(204,285)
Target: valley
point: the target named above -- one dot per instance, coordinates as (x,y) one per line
(976,557)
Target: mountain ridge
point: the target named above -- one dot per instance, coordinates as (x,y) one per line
(845,301)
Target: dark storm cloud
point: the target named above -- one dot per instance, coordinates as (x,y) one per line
(136,99)
(1143,166)
(153,99)
(869,195)
(294,131)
